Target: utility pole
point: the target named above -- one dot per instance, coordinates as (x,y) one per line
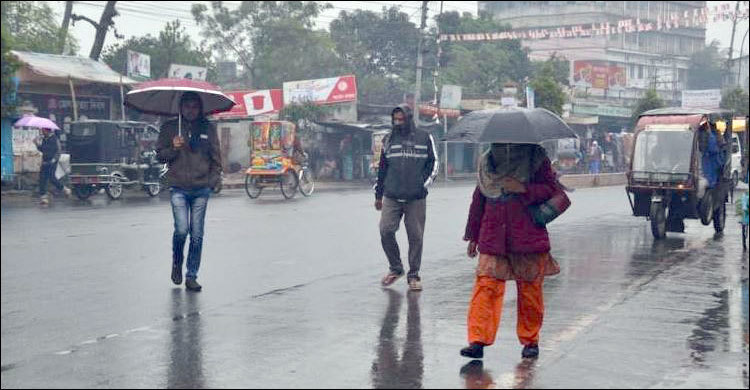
(417,92)
(731,42)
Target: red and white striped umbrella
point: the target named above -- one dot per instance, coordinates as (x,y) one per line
(162,97)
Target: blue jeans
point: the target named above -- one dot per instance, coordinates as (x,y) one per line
(189,211)
(594,167)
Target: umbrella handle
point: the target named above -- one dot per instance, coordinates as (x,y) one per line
(179,125)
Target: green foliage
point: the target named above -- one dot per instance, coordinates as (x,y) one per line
(33,26)
(303,114)
(173,46)
(380,49)
(273,40)
(558,68)
(649,101)
(292,52)
(9,67)
(705,71)
(480,67)
(736,100)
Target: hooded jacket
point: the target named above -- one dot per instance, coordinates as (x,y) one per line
(408,162)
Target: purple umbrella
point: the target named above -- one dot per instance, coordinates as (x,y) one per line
(36,121)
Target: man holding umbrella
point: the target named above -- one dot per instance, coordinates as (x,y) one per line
(190,145)
(49,145)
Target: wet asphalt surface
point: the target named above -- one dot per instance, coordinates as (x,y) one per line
(292,299)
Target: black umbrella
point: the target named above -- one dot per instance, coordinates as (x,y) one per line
(512,125)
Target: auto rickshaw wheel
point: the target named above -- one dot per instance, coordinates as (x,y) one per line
(251,187)
(114,189)
(658,216)
(292,183)
(152,189)
(720,217)
(83,192)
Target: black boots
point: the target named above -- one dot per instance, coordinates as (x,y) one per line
(530,351)
(474,351)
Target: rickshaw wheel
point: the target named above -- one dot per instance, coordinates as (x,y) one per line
(114,189)
(83,192)
(251,187)
(720,217)
(658,217)
(290,178)
(306,183)
(152,189)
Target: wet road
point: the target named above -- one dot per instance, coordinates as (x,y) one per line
(291,299)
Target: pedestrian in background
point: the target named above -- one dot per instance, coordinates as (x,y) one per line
(49,144)
(595,158)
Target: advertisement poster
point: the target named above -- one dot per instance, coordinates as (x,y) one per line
(321,91)
(187,72)
(139,65)
(598,74)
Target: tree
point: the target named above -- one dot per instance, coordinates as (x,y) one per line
(105,23)
(305,113)
(705,71)
(480,67)
(33,27)
(273,40)
(546,83)
(649,101)
(9,67)
(64,28)
(288,51)
(173,46)
(556,67)
(737,100)
(379,48)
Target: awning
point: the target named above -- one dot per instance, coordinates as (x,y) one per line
(57,69)
(349,126)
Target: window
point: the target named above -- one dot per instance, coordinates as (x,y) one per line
(640,71)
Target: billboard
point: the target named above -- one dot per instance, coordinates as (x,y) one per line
(187,72)
(599,74)
(450,97)
(321,91)
(251,103)
(701,98)
(139,65)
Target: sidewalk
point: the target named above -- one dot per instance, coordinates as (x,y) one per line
(237,181)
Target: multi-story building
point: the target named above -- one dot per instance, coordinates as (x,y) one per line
(631,62)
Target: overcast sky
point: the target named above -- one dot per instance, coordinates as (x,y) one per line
(139,18)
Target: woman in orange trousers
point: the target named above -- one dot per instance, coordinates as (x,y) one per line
(510,245)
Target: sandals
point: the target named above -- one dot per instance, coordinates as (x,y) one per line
(390,279)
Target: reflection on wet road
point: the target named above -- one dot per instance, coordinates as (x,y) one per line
(292,299)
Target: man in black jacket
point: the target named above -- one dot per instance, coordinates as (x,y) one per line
(49,145)
(408,165)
